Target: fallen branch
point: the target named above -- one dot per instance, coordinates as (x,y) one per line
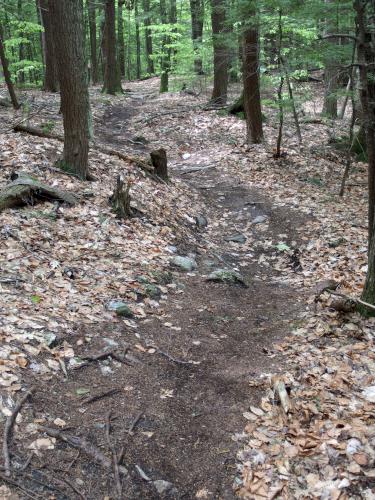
(84,446)
(97,357)
(102,395)
(353,299)
(134,423)
(171,358)
(115,464)
(137,160)
(9,427)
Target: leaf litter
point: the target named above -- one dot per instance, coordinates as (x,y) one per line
(323,446)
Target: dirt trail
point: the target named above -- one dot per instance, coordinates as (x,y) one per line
(190,412)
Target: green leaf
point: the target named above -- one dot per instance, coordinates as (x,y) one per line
(282,247)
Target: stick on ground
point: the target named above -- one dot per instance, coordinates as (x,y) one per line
(9,427)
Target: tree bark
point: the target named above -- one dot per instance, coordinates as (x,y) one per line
(67,21)
(7,76)
(159,162)
(91,11)
(165,55)
(366,60)
(112,77)
(51,81)
(137,40)
(221,53)
(197,19)
(252,104)
(148,36)
(120,37)
(330,69)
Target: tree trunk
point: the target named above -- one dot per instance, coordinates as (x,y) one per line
(366,60)
(197,19)
(252,104)
(112,78)
(67,22)
(148,36)
(160,163)
(165,55)
(221,53)
(21,48)
(51,81)
(330,69)
(120,38)
(137,39)
(7,76)
(91,10)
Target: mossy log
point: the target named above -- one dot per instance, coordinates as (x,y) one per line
(25,190)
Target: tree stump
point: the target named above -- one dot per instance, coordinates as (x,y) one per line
(120,199)
(159,162)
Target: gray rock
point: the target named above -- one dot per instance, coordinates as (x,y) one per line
(124,311)
(162,486)
(201,221)
(115,304)
(186,264)
(51,339)
(227,276)
(260,219)
(110,342)
(236,238)
(152,291)
(171,248)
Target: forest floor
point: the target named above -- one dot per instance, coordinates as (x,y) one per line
(184,392)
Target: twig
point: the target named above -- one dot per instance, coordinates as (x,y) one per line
(115,464)
(17,485)
(171,358)
(103,355)
(71,485)
(100,396)
(82,445)
(353,299)
(135,422)
(9,427)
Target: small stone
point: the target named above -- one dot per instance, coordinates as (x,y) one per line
(227,276)
(201,221)
(124,311)
(50,339)
(236,238)
(110,342)
(115,304)
(171,249)
(260,219)
(162,486)
(152,291)
(186,264)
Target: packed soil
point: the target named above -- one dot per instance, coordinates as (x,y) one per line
(175,407)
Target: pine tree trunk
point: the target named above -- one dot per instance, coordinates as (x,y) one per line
(21,48)
(91,10)
(330,70)
(366,60)
(120,37)
(7,76)
(148,36)
(51,81)
(221,53)
(137,39)
(67,22)
(252,104)
(165,56)
(112,78)
(197,19)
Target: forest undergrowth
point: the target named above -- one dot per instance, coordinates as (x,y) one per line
(309,433)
